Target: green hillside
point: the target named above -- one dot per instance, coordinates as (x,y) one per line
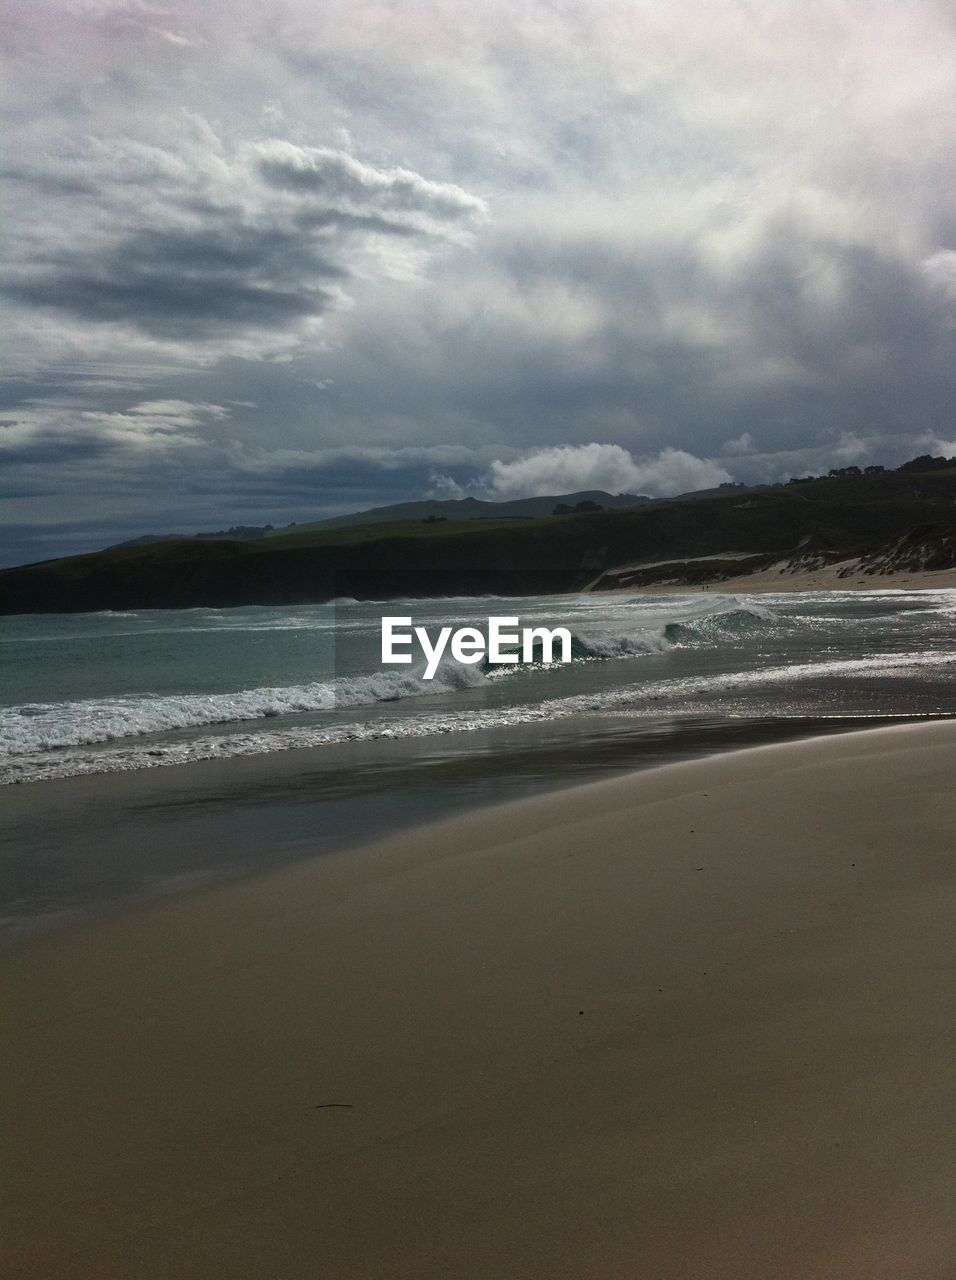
(505,557)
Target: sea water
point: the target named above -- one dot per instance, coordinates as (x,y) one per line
(107,692)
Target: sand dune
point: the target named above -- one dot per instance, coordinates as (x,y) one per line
(825,579)
(828,579)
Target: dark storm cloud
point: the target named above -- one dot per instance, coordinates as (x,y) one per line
(172,284)
(50,183)
(251,264)
(805,334)
(42,450)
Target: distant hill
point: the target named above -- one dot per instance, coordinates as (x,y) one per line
(721,491)
(477,509)
(238,533)
(428,509)
(842,516)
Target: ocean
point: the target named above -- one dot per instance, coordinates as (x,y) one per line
(96,693)
(654,677)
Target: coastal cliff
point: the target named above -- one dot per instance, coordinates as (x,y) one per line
(869,525)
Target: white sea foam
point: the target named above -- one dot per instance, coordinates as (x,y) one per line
(633,700)
(33,727)
(677,638)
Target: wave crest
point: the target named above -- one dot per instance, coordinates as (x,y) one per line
(36,727)
(737,619)
(624,644)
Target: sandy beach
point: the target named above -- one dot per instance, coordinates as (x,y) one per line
(829,579)
(825,579)
(695,1022)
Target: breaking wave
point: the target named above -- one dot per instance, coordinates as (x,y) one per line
(738,619)
(36,727)
(609,644)
(702,655)
(714,624)
(632,700)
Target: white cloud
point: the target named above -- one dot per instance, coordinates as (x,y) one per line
(743,444)
(938,446)
(342,183)
(571,468)
(940,269)
(146,428)
(445,488)
(181,413)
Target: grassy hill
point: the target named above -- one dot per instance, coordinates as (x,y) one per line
(504,557)
(473,509)
(456,509)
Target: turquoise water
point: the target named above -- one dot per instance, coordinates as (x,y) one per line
(96,693)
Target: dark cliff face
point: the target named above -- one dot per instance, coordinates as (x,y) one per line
(565,553)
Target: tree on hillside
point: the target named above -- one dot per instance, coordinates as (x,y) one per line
(925,462)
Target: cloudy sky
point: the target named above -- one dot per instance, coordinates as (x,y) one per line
(269,262)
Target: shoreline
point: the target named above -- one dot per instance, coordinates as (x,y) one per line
(688,1021)
(88,847)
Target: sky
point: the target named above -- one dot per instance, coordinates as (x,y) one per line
(269,262)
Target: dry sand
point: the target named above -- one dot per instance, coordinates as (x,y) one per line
(693,1023)
(818,580)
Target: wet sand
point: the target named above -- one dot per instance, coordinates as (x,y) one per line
(694,1022)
